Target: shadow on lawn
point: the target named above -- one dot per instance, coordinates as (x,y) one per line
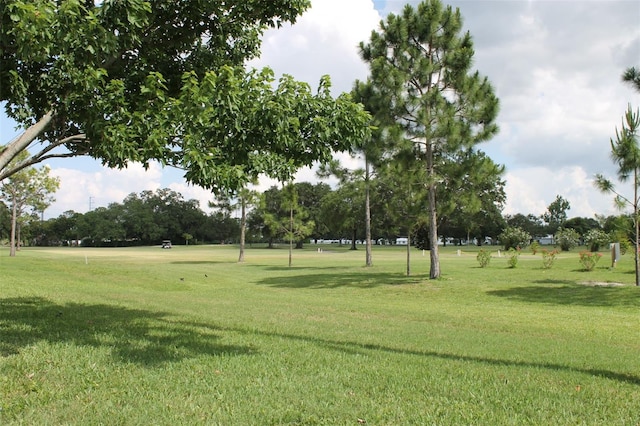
(573,295)
(355,348)
(339,279)
(133,335)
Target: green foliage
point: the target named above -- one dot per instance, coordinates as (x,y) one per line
(535,247)
(484,257)
(29,189)
(625,152)
(420,235)
(165,80)
(556,214)
(548,258)
(513,255)
(589,260)
(595,239)
(513,237)
(567,238)
(440,113)
(530,223)
(622,238)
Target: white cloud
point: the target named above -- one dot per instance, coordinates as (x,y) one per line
(323,41)
(81,190)
(532,189)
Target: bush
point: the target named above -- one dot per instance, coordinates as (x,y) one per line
(512,257)
(513,237)
(595,239)
(484,257)
(567,238)
(535,247)
(548,258)
(589,260)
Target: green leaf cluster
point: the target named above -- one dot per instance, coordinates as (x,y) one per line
(135,80)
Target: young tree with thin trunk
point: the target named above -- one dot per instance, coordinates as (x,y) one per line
(420,66)
(246,198)
(29,188)
(625,152)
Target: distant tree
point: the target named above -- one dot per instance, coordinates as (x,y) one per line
(30,188)
(582,225)
(102,226)
(344,208)
(244,199)
(530,223)
(293,226)
(556,214)
(372,148)
(567,238)
(5,221)
(310,198)
(471,195)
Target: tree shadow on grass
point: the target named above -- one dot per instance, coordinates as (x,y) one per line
(581,295)
(339,279)
(357,348)
(132,335)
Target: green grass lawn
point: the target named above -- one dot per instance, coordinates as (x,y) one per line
(188,336)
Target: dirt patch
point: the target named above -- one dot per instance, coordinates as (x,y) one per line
(601,284)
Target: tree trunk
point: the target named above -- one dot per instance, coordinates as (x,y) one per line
(14,223)
(354,233)
(434,270)
(409,254)
(243,225)
(637,225)
(367,220)
(291,236)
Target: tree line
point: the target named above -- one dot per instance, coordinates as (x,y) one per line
(320,213)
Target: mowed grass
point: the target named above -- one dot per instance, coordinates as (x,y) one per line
(189,336)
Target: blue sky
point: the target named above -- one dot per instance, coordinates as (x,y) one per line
(555,65)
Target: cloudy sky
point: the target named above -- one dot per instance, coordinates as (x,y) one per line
(555,65)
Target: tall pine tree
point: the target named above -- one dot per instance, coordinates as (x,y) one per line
(420,64)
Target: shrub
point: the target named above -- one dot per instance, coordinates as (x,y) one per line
(512,257)
(567,238)
(535,247)
(513,237)
(595,239)
(589,260)
(548,258)
(484,257)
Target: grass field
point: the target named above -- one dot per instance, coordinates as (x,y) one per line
(139,336)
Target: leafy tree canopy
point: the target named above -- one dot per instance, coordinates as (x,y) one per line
(137,80)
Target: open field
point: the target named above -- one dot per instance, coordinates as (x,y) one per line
(188,336)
